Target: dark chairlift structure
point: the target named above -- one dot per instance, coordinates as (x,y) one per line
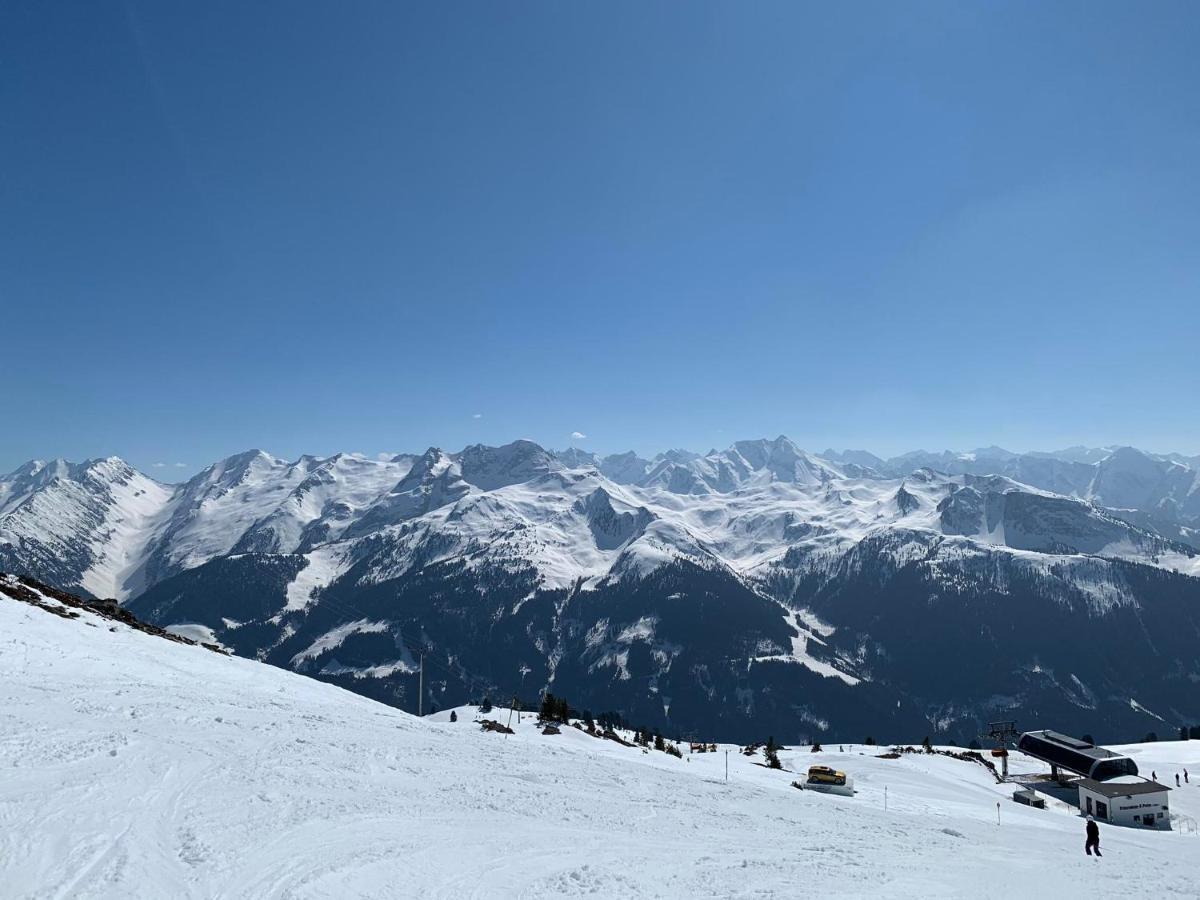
(1064,752)
(1003,734)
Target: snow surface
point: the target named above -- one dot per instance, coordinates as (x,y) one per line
(321,568)
(139,768)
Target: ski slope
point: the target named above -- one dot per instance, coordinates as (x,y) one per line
(134,767)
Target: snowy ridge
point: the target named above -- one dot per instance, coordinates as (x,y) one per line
(88,521)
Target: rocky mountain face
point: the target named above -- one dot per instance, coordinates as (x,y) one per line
(759,589)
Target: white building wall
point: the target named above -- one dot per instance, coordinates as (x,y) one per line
(1130,811)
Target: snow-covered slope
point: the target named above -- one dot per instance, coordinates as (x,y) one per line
(82,525)
(105,528)
(329,499)
(139,768)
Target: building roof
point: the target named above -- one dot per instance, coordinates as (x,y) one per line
(1124,779)
(1074,755)
(1122,789)
(1075,745)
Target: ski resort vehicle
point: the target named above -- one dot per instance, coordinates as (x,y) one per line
(825,775)
(829,781)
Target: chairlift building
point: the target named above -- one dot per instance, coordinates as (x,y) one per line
(1062,751)
(1110,788)
(1126,800)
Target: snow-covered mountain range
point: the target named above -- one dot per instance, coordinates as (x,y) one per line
(753,587)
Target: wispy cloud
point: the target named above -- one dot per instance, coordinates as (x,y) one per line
(477,416)
(160,465)
(181,465)
(578,435)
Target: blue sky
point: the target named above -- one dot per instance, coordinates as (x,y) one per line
(371,227)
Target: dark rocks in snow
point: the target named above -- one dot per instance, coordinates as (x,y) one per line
(27,590)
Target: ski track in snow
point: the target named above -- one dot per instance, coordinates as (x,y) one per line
(138,768)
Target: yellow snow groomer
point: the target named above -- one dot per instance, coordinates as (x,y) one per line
(825,775)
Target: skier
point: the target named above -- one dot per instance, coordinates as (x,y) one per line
(1093,837)
(1185,778)
(1154,775)
(1176,779)
(453,716)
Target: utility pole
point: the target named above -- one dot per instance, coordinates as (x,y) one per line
(727,767)
(510,712)
(525,670)
(885,798)
(421,689)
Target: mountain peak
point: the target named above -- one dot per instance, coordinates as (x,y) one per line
(491,467)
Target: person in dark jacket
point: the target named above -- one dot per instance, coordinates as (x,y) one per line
(1093,837)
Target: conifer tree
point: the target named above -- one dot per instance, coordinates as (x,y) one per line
(771,752)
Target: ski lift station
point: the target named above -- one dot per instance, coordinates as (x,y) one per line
(1126,800)
(1109,786)
(1074,755)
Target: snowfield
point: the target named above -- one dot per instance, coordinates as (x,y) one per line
(131,766)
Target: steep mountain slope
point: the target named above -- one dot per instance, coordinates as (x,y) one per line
(710,592)
(79,525)
(141,768)
(104,528)
(972,636)
(327,501)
